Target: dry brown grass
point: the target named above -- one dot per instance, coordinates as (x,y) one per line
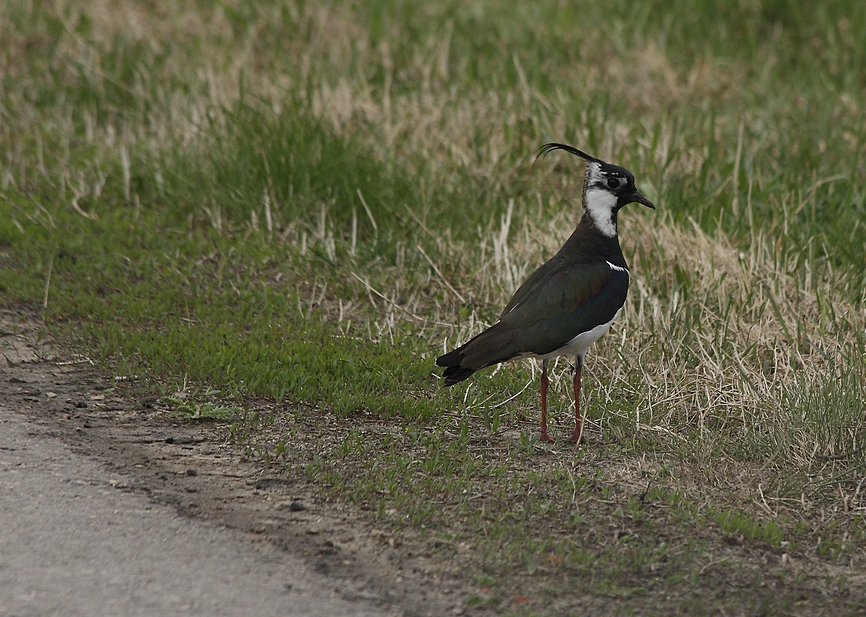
(714,383)
(784,327)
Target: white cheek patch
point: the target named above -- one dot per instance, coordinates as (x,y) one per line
(600,205)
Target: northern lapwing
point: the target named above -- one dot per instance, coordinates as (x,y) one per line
(570,301)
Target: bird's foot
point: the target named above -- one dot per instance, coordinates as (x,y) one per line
(577,437)
(546,437)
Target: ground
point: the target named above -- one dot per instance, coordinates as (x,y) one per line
(193,467)
(261,222)
(198,468)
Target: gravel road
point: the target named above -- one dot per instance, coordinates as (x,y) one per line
(108,507)
(71,543)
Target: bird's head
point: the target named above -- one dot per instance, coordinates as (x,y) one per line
(606,188)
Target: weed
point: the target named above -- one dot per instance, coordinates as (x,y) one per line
(310,222)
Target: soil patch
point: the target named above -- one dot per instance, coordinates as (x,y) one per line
(192,467)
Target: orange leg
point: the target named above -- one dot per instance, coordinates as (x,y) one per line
(544,383)
(577,436)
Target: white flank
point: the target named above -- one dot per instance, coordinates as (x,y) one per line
(600,204)
(580,344)
(617,268)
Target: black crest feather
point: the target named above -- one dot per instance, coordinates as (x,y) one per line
(547,148)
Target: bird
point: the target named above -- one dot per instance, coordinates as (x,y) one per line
(571,300)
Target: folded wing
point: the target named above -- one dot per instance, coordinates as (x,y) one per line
(555,304)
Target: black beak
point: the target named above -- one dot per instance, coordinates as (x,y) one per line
(637,198)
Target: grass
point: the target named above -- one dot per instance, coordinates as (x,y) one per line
(306,204)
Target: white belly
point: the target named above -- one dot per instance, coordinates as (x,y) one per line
(579,345)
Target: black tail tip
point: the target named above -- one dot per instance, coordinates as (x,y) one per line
(456,374)
(450,359)
(453,373)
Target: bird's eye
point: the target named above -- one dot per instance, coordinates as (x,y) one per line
(613,183)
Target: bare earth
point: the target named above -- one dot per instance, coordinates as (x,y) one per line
(110,507)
